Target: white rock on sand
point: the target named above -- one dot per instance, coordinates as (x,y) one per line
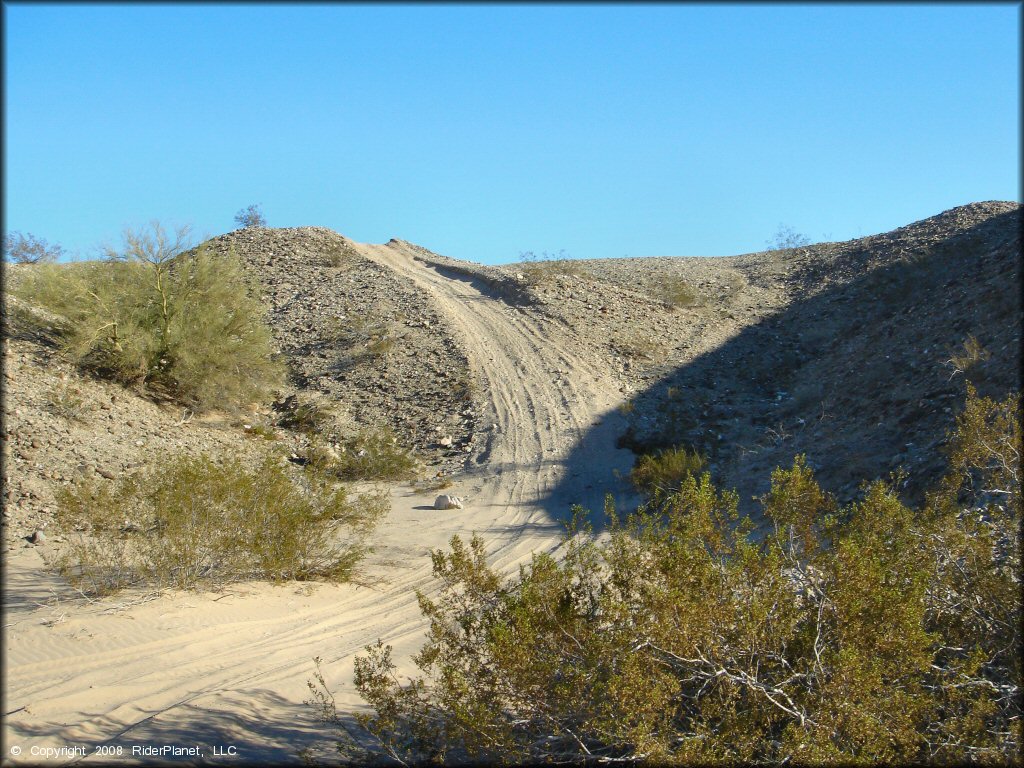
(444,501)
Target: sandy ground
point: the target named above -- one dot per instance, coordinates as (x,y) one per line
(227,673)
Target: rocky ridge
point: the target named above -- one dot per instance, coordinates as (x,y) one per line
(360,340)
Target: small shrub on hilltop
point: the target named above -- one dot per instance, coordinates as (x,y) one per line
(251,218)
(190,522)
(338,255)
(786,237)
(27,249)
(541,270)
(872,633)
(185,326)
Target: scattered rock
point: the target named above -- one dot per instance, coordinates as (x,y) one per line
(444,501)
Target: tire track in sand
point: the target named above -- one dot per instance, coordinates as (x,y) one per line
(233,670)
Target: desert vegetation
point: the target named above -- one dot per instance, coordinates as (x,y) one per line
(190,521)
(677,292)
(251,217)
(369,454)
(665,471)
(539,270)
(184,325)
(27,249)
(867,633)
(786,237)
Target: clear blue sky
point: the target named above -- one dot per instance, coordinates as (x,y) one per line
(483,131)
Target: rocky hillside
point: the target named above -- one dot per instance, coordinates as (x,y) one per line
(359,340)
(841,351)
(845,351)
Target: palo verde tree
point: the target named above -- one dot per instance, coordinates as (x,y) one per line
(185,324)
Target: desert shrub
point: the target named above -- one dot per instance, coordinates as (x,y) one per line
(191,521)
(640,346)
(664,471)
(870,633)
(338,255)
(364,337)
(27,249)
(786,237)
(541,270)
(303,415)
(64,399)
(971,354)
(251,218)
(186,326)
(371,454)
(677,292)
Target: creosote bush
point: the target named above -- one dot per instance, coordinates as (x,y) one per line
(664,471)
(677,292)
(869,633)
(186,326)
(541,270)
(189,522)
(368,455)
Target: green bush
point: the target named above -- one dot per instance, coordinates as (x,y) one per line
(677,292)
(872,633)
(185,325)
(664,471)
(191,521)
(368,455)
(304,416)
(541,270)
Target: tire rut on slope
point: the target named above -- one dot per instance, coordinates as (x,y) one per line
(541,396)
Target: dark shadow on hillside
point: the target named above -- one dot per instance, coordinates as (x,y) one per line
(855,376)
(501,288)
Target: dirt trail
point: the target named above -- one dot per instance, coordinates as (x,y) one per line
(541,397)
(231,669)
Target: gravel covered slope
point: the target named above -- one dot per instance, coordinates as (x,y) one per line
(359,337)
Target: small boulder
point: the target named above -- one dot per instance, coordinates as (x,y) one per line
(444,501)
(38,537)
